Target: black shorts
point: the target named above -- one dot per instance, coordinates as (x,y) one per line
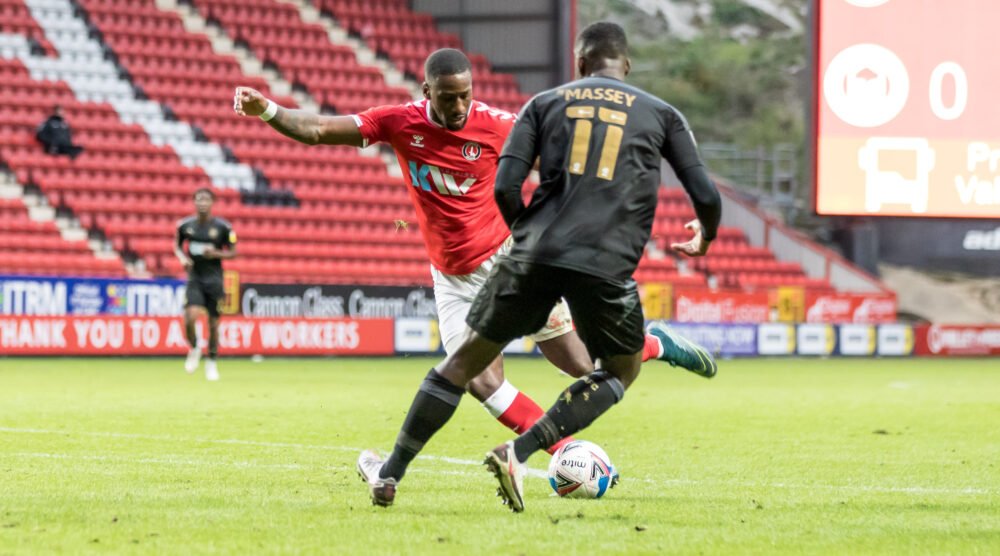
(204,294)
(518,296)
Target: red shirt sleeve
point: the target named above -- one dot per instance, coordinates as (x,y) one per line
(374,123)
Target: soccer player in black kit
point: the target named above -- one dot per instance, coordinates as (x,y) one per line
(210,239)
(600,142)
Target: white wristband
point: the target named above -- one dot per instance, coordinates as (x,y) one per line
(270,111)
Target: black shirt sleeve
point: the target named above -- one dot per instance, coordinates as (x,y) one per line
(228,238)
(681,151)
(518,156)
(678,146)
(510,177)
(179,235)
(522,143)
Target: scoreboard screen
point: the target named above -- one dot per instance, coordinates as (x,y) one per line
(907,108)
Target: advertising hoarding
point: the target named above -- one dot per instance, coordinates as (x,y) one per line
(120,335)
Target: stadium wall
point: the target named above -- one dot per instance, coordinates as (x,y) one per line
(527,38)
(964,245)
(94,316)
(240,336)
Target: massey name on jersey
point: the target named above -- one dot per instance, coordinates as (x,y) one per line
(598,93)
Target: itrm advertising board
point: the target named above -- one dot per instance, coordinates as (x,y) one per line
(55,296)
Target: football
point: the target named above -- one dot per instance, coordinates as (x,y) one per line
(581,469)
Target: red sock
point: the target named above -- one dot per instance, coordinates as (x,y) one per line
(522,413)
(651,349)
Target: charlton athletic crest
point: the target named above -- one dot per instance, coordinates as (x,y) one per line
(471,151)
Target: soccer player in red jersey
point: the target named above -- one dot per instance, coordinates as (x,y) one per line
(448,146)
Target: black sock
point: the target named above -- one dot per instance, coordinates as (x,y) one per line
(433,405)
(578,406)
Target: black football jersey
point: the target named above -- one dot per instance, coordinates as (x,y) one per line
(217,233)
(600,143)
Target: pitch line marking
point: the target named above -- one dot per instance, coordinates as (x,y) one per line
(458,461)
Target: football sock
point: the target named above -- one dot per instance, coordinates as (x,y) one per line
(578,406)
(652,349)
(516,411)
(213,342)
(434,404)
(192,334)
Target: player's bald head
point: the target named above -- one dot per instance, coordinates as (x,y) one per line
(602,45)
(446,61)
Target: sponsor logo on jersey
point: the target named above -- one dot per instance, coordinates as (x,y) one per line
(472,151)
(418,141)
(423,175)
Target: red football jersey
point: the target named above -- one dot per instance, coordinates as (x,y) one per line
(451,176)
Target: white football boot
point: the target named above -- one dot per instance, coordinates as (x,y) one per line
(510,473)
(382,491)
(193,358)
(211,370)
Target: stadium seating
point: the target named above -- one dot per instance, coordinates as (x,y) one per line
(303,53)
(16,20)
(31,247)
(391,29)
(341,212)
(338,186)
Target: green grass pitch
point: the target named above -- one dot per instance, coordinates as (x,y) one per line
(772,456)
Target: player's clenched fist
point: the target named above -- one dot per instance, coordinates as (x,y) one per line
(249,102)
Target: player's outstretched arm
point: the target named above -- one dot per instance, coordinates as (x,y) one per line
(304,127)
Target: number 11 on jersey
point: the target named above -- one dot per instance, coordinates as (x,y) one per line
(582,131)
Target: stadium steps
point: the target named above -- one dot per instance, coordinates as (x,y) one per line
(35,240)
(339,36)
(224,45)
(83,65)
(405,38)
(392,75)
(303,52)
(111,151)
(336,184)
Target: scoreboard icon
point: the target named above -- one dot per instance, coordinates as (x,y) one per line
(891,184)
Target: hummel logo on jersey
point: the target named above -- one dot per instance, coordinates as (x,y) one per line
(418,141)
(471,151)
(444,183)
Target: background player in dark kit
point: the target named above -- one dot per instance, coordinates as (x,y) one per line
(209,239)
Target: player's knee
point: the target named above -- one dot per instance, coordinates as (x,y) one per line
(190,314)
(578,365)
(624,367)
